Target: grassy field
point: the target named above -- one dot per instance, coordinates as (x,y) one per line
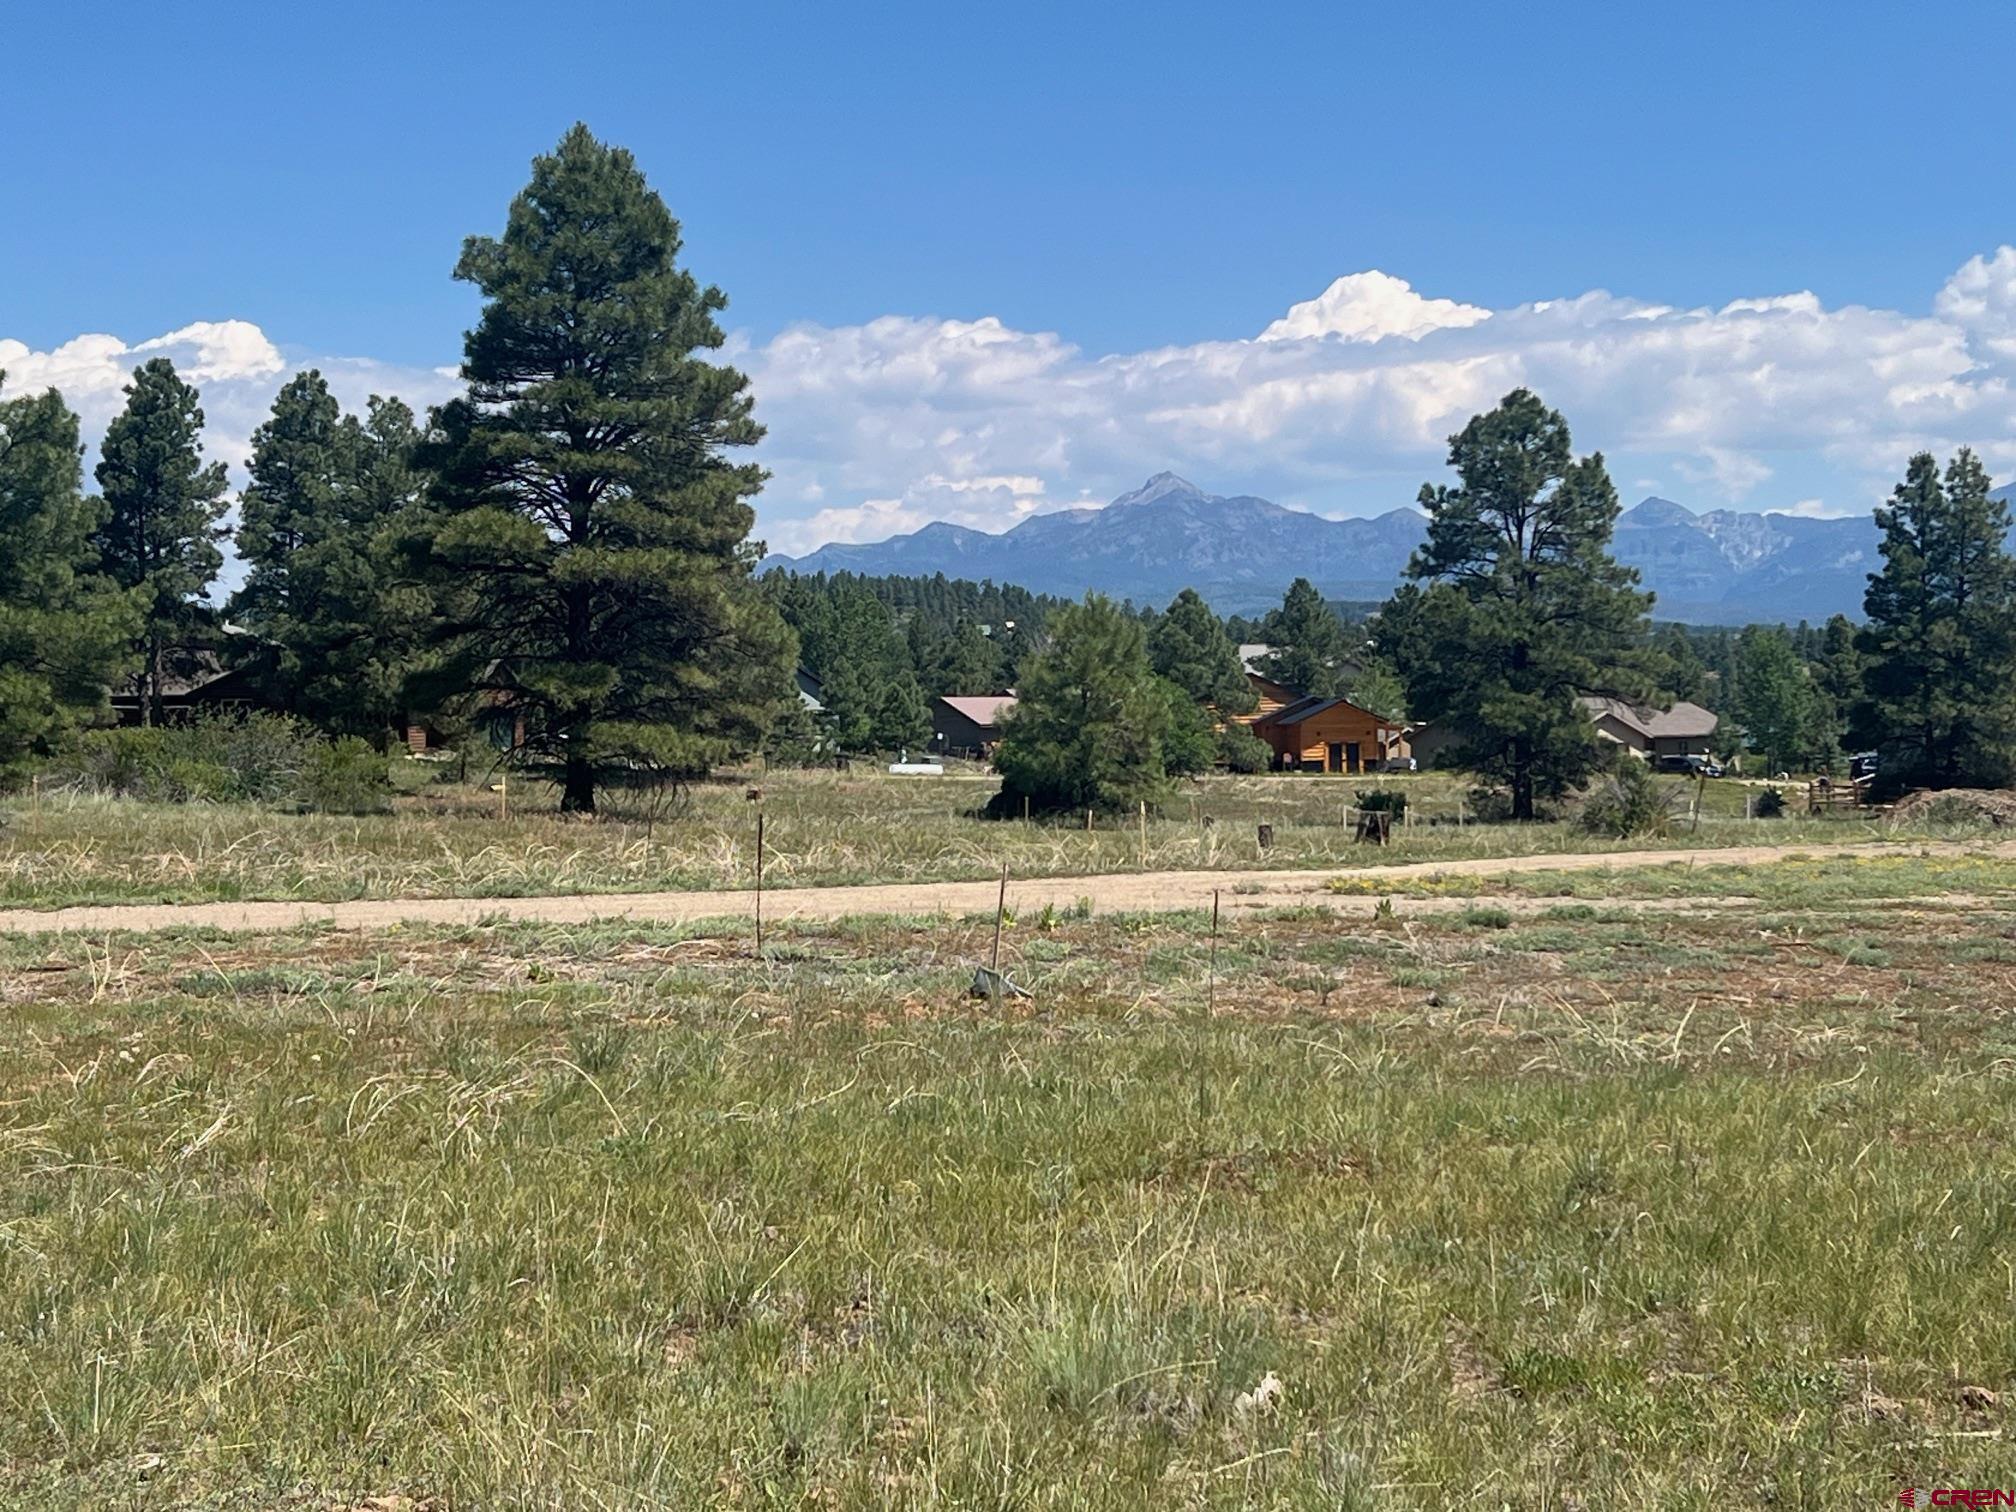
(1583,1209)
(452,841)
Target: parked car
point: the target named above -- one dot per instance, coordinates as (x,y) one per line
(1693,766)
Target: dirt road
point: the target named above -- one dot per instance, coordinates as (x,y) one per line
(1136,892)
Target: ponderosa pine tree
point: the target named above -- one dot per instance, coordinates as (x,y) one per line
(1940,634)
(1189,647)
(324,487)
(590,531)
(64,629)
(903,720)
(1309,647)
(158,533)
(1525,611)
(1089,718)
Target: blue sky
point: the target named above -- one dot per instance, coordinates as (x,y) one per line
(1107,184)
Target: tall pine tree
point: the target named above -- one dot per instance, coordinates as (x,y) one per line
(591,530)
(1525,610)
(324,486)
(64,629)
(158,535)
(1188,646)
(1939,639)
(1310,651)
(1089,720)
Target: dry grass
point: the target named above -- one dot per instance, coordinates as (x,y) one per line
(448,841)
(1579,1209)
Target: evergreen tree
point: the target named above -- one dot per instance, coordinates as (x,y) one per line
(1190,743)
(1777,705)
(64,630)
(1525,610)
(591,527)
(157,537)
(903,719)
(323,486)
(1940,637)
(1189,647)
(968,663)
(1089,719)
(1308,639)
(1681,670)
(1377,688)
(852,709)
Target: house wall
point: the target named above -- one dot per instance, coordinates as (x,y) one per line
(956,735)
(1307,743)
(1621,732)
(1680,745)
(1271,695)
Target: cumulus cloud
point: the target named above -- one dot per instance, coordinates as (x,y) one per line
(1369,307)
(1347,401)
(1343,405)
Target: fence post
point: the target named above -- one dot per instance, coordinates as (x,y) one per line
(1211,981)
(759,881)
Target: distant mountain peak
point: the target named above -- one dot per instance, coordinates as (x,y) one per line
(1657,511)
(1163,485)
(1717,567)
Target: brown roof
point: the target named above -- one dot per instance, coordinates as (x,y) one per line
(1684,721)
(982,709)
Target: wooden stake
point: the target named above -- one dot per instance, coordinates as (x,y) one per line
(1000,910)
(1211,982)
(1088,821)
(1025,808)
(759,882)
(1144,834)
(504,793)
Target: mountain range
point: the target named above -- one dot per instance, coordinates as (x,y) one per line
(1716,567)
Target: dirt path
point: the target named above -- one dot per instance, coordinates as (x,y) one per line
(1122,892)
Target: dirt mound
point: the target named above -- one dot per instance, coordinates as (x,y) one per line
(1960,806)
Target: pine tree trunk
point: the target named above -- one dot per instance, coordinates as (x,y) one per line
(577,795)
(1522,781)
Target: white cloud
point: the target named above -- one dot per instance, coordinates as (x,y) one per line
(1816,509)
(1369,307)
(1343,405)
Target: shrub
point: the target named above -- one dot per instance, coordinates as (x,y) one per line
(1630,801)
(347,777)
(1770,804)
(1382,801)
(1242,751)
(1488,805)
(224,758)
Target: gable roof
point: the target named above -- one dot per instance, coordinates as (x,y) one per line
(982,709)
(1683,721)
(1310,705)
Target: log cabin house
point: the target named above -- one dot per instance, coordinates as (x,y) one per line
(1331,735)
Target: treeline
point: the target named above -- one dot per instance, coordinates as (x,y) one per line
(566,541)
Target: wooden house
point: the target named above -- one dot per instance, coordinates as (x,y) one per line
(966,725)
(1331,735)
(1271,695)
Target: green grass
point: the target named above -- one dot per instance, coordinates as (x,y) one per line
(1596,1211)
(448,840)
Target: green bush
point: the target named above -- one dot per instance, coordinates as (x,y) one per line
(226,758)
(1630,801)
(1242,751)
(346,777)
(1383,801)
